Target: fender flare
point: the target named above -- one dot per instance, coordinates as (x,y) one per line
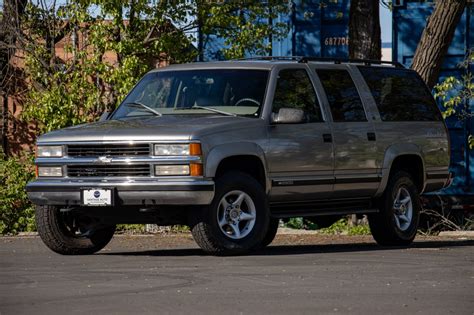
(218,153)
(391,153)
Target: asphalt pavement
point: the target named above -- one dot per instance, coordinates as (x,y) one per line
(299,274)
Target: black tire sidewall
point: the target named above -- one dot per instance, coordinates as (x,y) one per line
(243,182)
(52,230)
(271,233)
(383,225)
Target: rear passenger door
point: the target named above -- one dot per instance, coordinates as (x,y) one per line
(355,149)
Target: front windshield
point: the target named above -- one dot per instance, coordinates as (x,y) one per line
(211,92)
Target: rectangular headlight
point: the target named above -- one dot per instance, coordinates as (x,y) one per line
(171,149)
(49,151)
(50,171)
(171,170)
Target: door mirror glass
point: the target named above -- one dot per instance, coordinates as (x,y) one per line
(288,116)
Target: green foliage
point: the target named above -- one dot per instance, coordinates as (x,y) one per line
(243,30)
(130,228)
(16,211)
(103,58)
(295,223)
(342,227)
(456,95)
(179,229)
(300,224)
(105,53)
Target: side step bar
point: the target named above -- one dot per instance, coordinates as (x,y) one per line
(320,208)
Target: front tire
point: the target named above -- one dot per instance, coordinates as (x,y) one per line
(271,233)
(69,234)
(237,219)
(397,222)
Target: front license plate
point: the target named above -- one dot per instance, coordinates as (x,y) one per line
(97,197)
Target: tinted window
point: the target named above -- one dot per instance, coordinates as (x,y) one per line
(400,95)
(343,98)
(295,90)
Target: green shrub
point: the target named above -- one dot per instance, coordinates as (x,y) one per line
(16,211)
(295,223)
(131,228)
(342,227)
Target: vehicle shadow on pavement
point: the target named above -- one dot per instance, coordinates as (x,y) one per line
(283,250)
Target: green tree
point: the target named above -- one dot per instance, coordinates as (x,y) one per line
(16,211)
(456,95)
(246,27)
(78,86)
(139,34)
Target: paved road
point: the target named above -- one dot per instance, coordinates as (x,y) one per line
(168,274)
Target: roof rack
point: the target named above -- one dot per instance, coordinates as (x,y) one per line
(367,62)
(270,58)
(305,59)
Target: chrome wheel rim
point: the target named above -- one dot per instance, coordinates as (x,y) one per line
(403,209)
(236,214)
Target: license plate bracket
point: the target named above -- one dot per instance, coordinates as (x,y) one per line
(97,197)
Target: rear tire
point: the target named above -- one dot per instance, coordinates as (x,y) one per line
(69,234)
(397,222)
(237,219)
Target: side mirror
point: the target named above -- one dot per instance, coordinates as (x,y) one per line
(104,116)
(288,116)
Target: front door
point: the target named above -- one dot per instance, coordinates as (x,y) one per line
(300,156)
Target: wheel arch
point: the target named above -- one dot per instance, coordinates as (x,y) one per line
(244,156)
(406,157)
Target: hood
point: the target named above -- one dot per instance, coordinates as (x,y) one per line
(164,128)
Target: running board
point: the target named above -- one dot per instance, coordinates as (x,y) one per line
(320,208)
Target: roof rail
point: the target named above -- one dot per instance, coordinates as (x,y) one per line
(270,58)
(367,62)
(304,59)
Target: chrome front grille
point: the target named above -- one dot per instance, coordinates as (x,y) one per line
(108,170)
(94,150)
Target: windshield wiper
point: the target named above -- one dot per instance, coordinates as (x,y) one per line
(137,104)
(211,109)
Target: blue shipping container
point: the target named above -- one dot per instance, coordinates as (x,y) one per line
(316,28)
(409,20)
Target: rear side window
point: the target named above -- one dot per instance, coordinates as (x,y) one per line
(400,95)
(343,98)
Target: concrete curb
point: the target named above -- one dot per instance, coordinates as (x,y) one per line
(288,231)
(457,233)
(23,234)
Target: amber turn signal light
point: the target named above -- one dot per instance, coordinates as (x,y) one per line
(195,149)
(196,169)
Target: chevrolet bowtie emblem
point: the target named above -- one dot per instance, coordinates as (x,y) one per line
(103,160)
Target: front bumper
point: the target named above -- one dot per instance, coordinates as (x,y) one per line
(67,192)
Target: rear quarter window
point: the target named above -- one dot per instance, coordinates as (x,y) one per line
(400,94)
